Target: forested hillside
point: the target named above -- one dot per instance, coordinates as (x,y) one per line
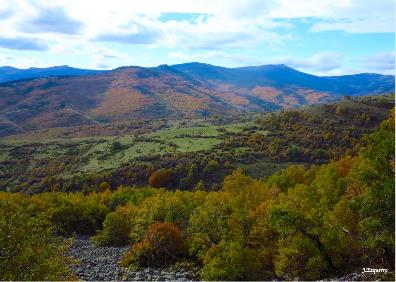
(180,154)
(192,90)
(316,222)
(203,140)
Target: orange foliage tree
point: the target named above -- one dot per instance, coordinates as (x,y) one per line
(160,178)
(163,244)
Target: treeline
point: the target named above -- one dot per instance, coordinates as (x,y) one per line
(320,133)
(315,135)
(172,171)
(306,223)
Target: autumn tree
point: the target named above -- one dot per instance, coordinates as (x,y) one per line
(211,167)
(376,203)
(160,178)
(28,248)
(163,244)
(116,227)
(103,186)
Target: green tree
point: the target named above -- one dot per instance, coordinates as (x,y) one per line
(230,261)
(28,248)
(200,186)
(376,204)
(116,227)
(211,167)
(116,146)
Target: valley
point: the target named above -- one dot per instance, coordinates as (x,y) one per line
(192,151)
(206,140)
(201,214)
(178,172)
(186,198)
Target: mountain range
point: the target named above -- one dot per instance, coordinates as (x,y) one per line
(8,73)
(39,98)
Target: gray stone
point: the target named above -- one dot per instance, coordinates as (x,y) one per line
(95,263)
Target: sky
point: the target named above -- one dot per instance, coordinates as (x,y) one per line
(322,37)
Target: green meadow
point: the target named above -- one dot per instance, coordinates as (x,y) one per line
(96,154)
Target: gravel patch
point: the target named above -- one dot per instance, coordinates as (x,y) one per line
(166,274)
(101,264)
(359,276)
(95,263)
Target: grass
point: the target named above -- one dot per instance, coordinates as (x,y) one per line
(4,156)
(262,168)
(95,154)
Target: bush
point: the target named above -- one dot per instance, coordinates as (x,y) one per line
(28,249)
(116,227)
(160,178)
(74,213)
(125,195)
(162,245)
(211,167)
(103,186)
(116,146)
(230,261)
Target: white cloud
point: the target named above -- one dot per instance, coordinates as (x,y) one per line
(215,33)
(228,22)
(105,58)
(381,62)
(324,63)
(216,57)
(357,26)
(329,63)
(53,20)
(75,26)
(10,60)
(321,63)
(308,8)
(23,43)
(354,16)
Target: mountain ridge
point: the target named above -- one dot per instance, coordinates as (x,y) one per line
(8,73)
(185,90)
(73,71)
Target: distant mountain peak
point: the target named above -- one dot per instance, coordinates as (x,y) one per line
(163,67)
(12,74)
(183,90)
(62,67)
(7,68)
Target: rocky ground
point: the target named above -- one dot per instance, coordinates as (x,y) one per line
(101,263)
(95,263)
(360,276)
(168,274)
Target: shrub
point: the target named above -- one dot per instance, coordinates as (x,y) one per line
(163,244)
(126,195)
(116,227)
(28,249)
(103,186)
(211,167)
(230,261)
(160,178)
(116,146)
(74,213)
(200,186)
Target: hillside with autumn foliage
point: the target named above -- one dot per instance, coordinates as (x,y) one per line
(181,91)
(300,223)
